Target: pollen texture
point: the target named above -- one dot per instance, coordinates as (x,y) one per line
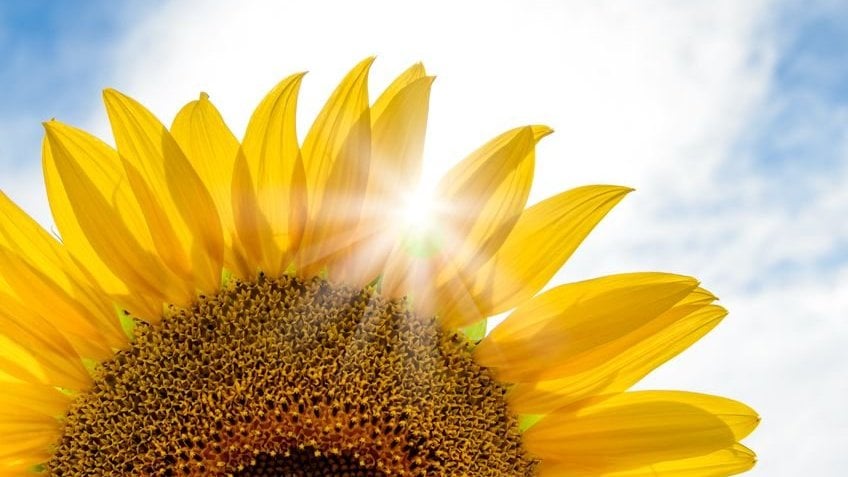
(284,377)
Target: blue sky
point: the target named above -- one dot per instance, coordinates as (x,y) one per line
(805,130)
(730,118)
(806,115)
(39,80)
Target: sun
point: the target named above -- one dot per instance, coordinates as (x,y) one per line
(418,211)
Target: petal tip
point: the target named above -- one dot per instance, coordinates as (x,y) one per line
(113,98)
(540,131)
(620,191)
(111,93)
(51,127)
(617,190)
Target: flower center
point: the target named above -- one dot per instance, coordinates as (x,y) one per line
(292,378)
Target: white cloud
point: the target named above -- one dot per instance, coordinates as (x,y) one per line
(653,96)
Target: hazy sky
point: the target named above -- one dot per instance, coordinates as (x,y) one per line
(729,118)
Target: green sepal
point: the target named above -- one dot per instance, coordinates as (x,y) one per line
(422,245)
(127,324)
(291,269)
(377,283)
(477,331)
(66,391)
(226,276)
(89,364)
(526,421)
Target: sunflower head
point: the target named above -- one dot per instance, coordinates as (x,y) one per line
(265,307)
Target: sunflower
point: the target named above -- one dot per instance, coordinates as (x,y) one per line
(262,308)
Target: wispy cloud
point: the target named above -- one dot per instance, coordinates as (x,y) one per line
(769,236)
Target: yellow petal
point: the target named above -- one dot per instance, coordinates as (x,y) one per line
(211,148)
(177,208)
(397,143)
(410,276)
(21,234)
(480,201)
(16,365)
(330,130)
(42,296)
(399,124)
(580,326)
(269,184)
(640,428)
(33,350)
(18,455)
(731,461)
(31,447)
(75,241)
(336,157)
(685,324)
(40,273)
(100,219)
(487,193)
(21,399)
(411,75)
(544,237)
(28,423)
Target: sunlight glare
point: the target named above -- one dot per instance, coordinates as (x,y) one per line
(418,211)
